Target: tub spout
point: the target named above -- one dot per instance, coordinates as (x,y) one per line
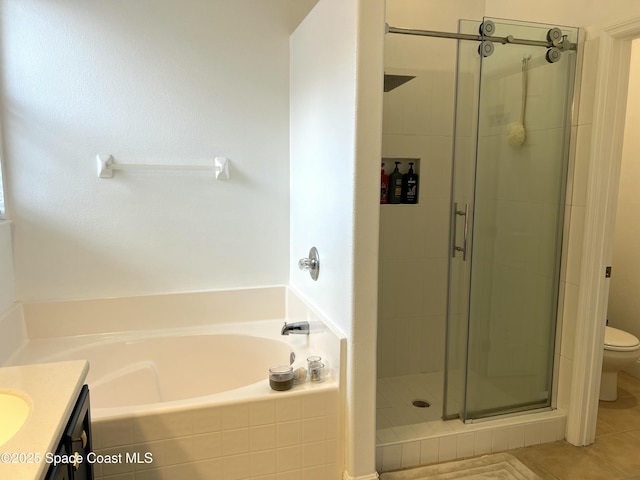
(297,328)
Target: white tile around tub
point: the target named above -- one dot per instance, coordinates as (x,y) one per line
(332,426)
(315,473)
(234,416)
(332,471)
(314,429)
(288,409)
(289,458)
(161,427)
(288,433)
(97,471)
(317,405)
(207,446)
(290,475)
(262,413)
(124,476)
(206,420)
(115,468)
(204,469)
(157,451)
(235,442)
(314,454)
(178,450)
(262,438)
(112,433)
(332,451)
(163,473)
(263,463)
(236,467)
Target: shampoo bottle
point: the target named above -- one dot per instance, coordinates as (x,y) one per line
(410,186)
(384,186)
(395,185)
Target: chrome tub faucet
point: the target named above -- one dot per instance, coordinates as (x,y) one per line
(295,328)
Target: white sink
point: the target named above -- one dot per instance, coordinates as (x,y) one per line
(14,410)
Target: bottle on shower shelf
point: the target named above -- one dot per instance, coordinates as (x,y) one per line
(384,186)
(395,185)
(410,186)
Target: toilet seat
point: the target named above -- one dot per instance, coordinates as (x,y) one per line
(619,341)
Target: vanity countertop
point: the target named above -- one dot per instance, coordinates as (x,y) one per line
(52,390)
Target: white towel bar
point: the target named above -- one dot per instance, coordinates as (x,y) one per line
(106,166)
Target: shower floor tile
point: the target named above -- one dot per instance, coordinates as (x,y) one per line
(395,396)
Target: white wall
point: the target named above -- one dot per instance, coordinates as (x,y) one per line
(323,122)
(323,76)
(336,100)
(581,13)
(624,301)
(7,285)
(154,81)
(12,330)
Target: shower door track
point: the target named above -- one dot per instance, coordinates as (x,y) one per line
(479,38)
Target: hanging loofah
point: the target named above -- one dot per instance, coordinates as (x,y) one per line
(516,133)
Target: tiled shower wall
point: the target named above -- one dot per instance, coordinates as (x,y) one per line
(418,123)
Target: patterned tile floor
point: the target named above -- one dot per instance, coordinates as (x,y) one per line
(615,455)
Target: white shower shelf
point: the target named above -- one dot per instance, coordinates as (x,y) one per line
(107,165)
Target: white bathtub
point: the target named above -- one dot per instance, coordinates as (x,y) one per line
(194,394)
(152,371)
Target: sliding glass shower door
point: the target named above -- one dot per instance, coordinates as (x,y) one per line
(508,202)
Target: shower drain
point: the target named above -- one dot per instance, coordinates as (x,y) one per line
(421,403)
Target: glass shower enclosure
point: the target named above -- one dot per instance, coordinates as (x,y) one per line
(511,151)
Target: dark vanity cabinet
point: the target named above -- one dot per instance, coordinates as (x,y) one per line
(76,441)
(61,470)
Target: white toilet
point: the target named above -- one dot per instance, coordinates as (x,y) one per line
(621,350)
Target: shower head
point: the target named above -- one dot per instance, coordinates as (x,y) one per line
(394,81)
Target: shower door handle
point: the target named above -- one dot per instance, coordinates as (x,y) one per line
(463,248)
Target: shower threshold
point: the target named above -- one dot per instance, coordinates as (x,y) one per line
(407,436)
(440,441)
